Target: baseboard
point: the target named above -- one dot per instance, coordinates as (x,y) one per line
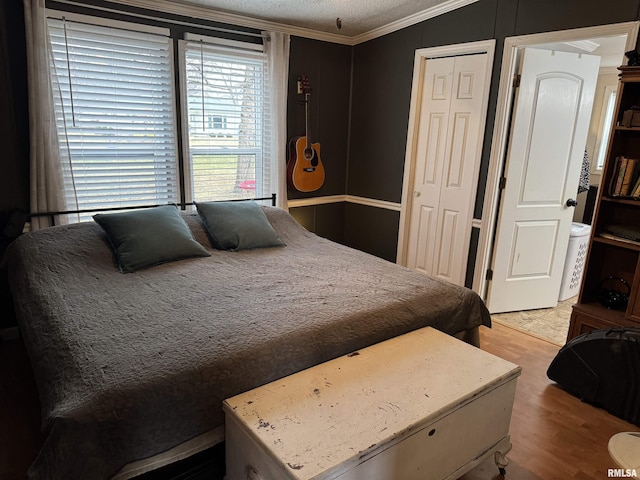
(11,333)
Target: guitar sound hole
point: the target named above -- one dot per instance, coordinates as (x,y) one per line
(308,153)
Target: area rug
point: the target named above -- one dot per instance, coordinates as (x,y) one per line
(550,324)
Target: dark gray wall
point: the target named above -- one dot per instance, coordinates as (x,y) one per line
(360,105)
(367,230)
(328,220)
(328,67)
(14,122)
(382,76)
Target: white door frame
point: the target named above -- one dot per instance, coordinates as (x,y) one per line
(502,124)
(419,67)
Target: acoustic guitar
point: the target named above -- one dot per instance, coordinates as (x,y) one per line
(305,171)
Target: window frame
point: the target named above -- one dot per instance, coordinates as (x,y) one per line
(137,28)
(235,48)
(174,30)
(607,113)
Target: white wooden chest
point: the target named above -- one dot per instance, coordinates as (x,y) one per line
(420,406)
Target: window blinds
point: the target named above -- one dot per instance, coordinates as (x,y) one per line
(113,94)
(226,121)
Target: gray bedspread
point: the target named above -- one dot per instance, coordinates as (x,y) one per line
(130,365)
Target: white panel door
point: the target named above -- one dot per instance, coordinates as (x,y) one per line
(549,132)
(447,156)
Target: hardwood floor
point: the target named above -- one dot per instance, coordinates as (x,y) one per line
(554,435)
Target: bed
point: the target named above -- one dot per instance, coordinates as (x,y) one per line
(129,366)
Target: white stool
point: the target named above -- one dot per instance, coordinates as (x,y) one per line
(624,449)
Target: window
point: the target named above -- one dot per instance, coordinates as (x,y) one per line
(608,107)
(116,114)
(113,96)
(225,95)
(216,122)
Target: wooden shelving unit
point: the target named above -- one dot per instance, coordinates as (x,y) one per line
(609,256)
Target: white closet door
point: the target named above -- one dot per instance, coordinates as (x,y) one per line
(447,158)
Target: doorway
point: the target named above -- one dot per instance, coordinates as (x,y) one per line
(573,40)
(449,98)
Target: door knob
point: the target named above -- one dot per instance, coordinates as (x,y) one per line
(571,203)
(416,193)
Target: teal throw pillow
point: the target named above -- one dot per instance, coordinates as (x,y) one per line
(143,238)
(237,225)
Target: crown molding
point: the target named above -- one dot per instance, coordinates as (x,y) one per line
(586,45)
(201,12)
(574,34)
(432,12)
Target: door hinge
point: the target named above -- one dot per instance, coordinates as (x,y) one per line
(516,80)
(489,275)
(503,183)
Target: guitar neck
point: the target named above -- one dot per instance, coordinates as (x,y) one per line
(307,101)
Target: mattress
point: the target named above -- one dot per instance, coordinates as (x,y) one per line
(132,365)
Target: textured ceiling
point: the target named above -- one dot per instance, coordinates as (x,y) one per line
(357,16)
